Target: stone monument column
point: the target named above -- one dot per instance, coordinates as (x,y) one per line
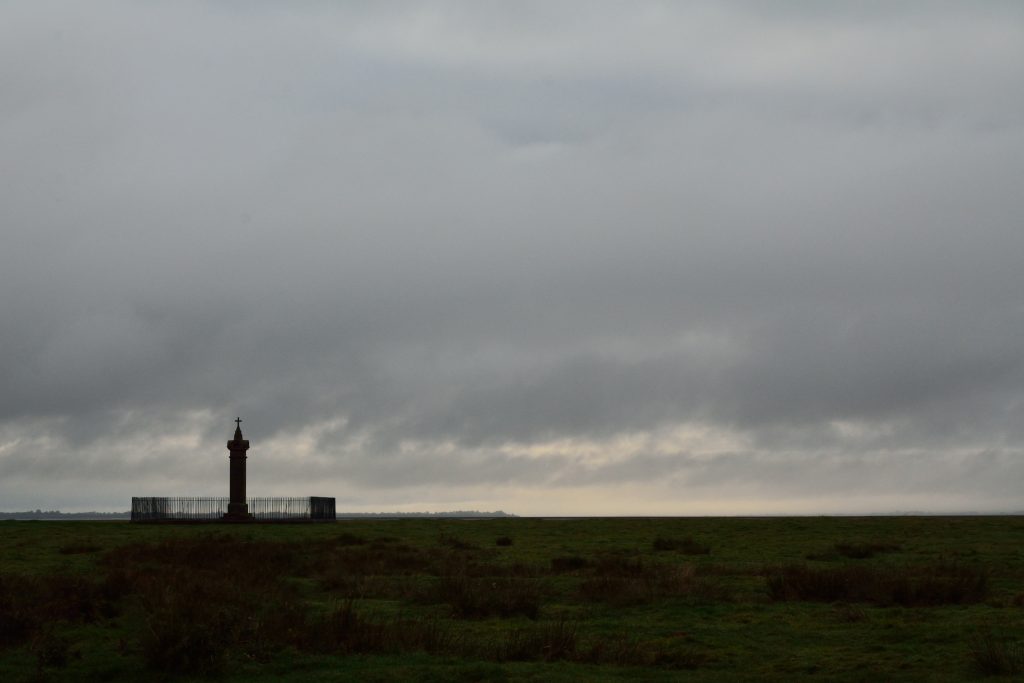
(237,508)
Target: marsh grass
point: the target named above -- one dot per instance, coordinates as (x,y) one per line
(569,600)
(905,585)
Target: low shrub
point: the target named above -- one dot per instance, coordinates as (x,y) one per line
(346,538)
(617,565)
(939,584)
(27,603)
(256,562)
(849,614)
(569,563)
(195,619)
(455,543)
(78,548)
(185,641)
(377,559)
(18,619)
(686,546)
(720,569)
(345,630)
(208,598)
(51,650)
(860,551)
(633,583)
(504,541)
(615,590)
(69,597)
(853,551)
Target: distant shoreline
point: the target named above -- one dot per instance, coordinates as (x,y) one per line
(57,515)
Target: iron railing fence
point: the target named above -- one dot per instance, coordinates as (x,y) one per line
(210,509)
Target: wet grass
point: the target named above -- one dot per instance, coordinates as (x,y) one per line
(515,599)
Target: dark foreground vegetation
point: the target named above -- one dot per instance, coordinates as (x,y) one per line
(516,599)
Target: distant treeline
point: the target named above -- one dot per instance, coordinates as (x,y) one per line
(456,513)
(57,514)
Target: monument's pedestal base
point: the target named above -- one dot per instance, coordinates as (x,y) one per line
(238,518)
(238,512)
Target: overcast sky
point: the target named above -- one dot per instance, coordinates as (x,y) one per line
(547,257)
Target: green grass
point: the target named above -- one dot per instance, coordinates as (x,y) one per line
(703,599)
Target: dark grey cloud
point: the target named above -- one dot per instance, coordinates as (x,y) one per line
(545,256)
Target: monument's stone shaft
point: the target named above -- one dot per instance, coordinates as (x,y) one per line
(237,508)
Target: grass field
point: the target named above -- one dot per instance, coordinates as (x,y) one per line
(702,599)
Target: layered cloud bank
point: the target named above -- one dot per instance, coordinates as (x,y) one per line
(554,258)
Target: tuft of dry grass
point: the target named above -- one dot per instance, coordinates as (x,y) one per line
(994,656)
(344,630)
(909,585)
(631,582)
(544,642)
(479,597)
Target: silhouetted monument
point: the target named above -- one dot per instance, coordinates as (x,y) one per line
(237,509)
